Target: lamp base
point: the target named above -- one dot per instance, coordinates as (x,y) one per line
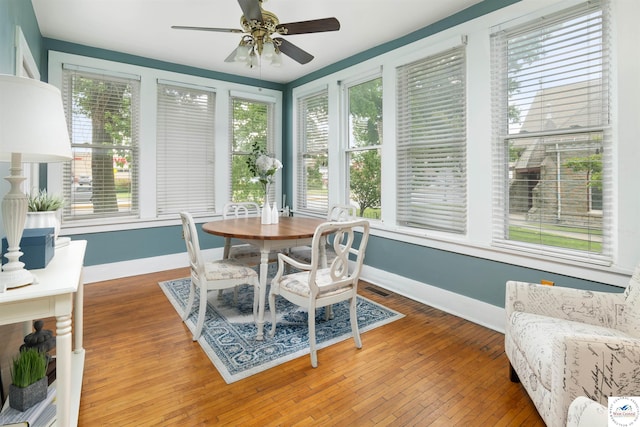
(16,278)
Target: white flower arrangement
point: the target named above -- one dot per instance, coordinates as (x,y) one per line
(266,167)
(262,166)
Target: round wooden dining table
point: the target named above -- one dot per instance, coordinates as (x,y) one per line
(289,232)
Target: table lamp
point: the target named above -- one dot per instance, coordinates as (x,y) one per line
(32,129)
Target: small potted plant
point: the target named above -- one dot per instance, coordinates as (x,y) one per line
(43,211)
(28,379)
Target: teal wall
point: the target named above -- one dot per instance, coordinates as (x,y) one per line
(466,275)
(12,13)
(473,277)
(125,245)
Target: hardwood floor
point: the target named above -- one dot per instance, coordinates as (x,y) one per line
(429,368)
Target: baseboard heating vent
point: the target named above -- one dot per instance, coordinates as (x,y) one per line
(377,291)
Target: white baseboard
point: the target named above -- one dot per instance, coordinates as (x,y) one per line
(117,270)
(479,312)
(475,311)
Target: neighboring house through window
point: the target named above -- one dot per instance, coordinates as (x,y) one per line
(553,144)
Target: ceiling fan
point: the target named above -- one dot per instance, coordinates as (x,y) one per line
(259,26)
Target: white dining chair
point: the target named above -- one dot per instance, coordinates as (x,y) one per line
(336,213)
(314,286)
(244,252)
(211,275)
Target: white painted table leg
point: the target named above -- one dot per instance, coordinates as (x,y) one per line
(264,268)
(63,369)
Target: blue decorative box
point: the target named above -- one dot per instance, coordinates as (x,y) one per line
(37,245)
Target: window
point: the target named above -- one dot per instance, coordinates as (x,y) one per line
(312,184)
(252,128)
(553,145)
(185,149)
(363,151)
(102,111)
(431,143)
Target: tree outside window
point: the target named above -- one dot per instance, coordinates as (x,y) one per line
(363,152)
(252,129)
(101,180)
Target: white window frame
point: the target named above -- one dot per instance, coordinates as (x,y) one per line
(273,149)
(478,240)
(435,197)
(568,138)
(297,152)
(26,67)
(345,149)
(197,159)
(147,156)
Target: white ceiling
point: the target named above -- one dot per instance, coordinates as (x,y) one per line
(143,28)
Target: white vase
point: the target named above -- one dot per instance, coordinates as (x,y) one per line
(275,215)
(45,219)
(266,213)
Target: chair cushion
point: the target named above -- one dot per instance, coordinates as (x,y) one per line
(534,336)
(227,269)
(250,255)
(303,254)
(298,283)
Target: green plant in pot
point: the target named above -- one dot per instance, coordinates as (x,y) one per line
(42,201)
(44,211)
(28,379)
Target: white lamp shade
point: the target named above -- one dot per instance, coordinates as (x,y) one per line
(32,121)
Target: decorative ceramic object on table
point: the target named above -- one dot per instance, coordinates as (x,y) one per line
(264,169)
(266,213)
(44,211)
(275,215)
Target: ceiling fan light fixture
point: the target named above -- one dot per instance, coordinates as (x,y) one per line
(268,49)
(242,52)
(252,60)
(259,25)
(276,59)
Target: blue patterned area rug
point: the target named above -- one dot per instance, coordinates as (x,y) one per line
(228,335)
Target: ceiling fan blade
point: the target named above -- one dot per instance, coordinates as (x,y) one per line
(313,26)
(251,9)
(220,30)
(293,51)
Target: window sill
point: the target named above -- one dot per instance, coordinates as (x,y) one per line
(121,224)
(612,275)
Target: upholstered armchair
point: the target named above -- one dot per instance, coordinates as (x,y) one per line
(584,412)
(563,343)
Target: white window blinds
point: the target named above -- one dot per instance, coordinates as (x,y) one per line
(103,118)
(431,143)
(312,194)
(552,155)
(185,149)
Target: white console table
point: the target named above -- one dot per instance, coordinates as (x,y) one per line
(58,293)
